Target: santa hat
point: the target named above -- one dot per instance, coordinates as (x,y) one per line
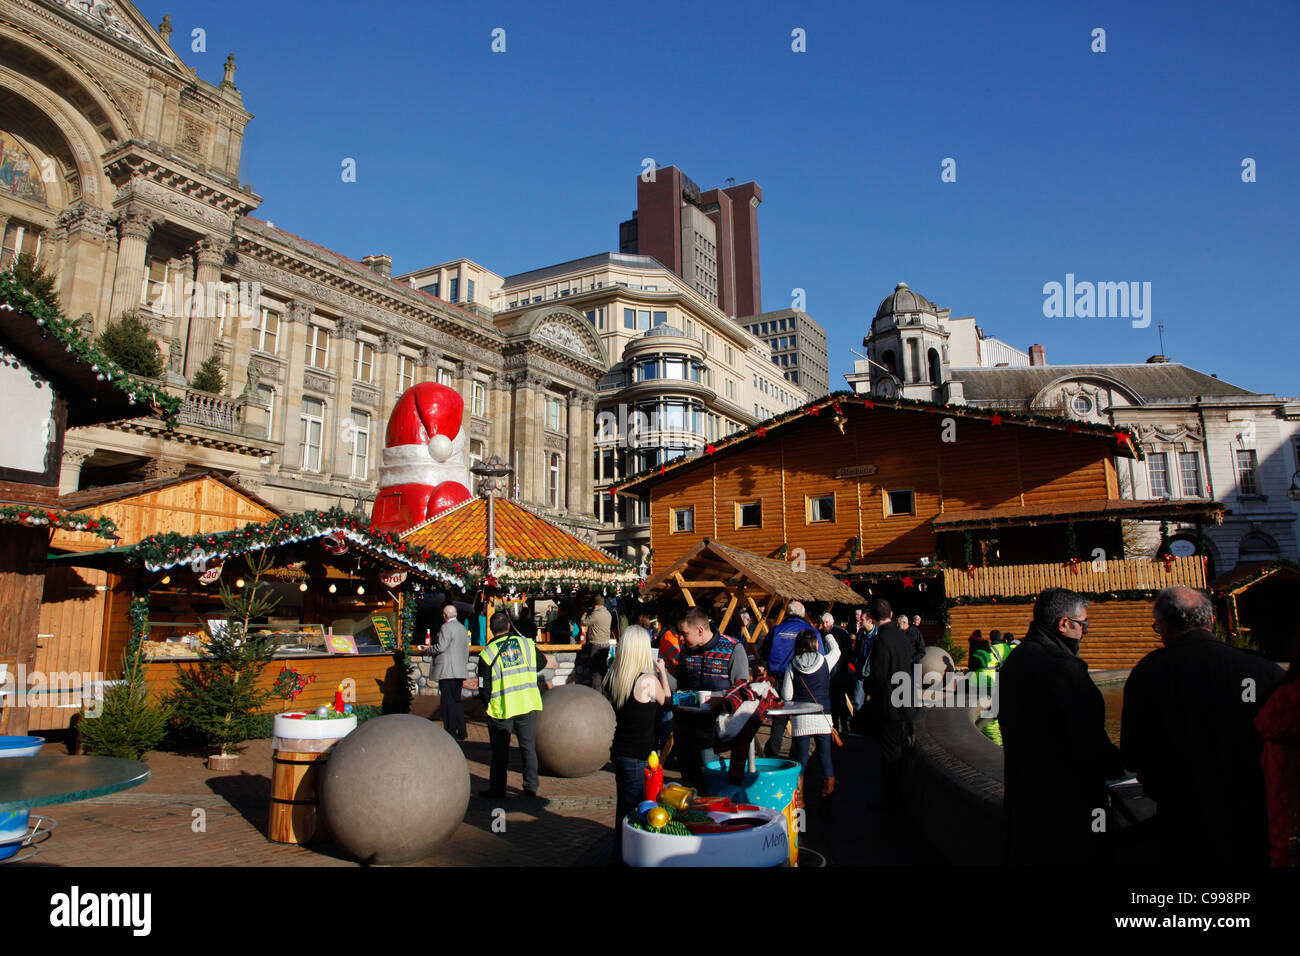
(424,470)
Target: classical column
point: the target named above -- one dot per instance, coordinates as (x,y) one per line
(523,432)
(386,379)
(578,451)
(344,346)
(293,332)
(135,225)
(465,385)
(201,338)
(500,411)
(587,488)
(70,473)
(541,455)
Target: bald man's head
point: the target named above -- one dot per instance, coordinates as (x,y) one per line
(1179,610)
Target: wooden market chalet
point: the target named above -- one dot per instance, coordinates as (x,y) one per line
(958,514)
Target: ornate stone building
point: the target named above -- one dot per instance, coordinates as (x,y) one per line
(1203,438)
(122,175)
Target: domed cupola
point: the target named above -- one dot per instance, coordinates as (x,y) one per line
(903,301)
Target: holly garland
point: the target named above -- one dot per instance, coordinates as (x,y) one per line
(40,518)
(169,550)
(835,401)
(16,300)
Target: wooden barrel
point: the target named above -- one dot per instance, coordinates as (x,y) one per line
(295,796)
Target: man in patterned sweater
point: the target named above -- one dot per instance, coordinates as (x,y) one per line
(708,661)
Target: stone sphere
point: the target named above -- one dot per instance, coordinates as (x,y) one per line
(394,789)
(938,673)
(574,730)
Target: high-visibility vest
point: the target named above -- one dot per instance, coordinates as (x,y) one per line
(512,661)
(1000,651)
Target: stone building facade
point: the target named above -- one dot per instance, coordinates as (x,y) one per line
(126,185)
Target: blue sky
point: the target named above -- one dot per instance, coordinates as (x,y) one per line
(1117,166)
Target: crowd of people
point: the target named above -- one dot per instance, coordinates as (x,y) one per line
(1210,730)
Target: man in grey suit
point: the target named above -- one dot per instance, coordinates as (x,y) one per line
(450,669)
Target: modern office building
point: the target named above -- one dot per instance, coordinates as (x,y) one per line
(709,238)
(681,373)
(798,345)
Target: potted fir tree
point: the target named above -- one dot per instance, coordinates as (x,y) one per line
(219,700)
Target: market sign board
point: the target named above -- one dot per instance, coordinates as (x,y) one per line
(384,631)
(341,644)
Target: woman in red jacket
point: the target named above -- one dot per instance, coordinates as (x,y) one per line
(1278,723)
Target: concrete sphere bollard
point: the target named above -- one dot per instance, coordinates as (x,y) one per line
(574,730)
(938,674)
(394,789)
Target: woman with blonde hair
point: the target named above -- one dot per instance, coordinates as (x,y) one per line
(637,686)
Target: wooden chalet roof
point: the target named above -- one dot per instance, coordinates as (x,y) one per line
(1099,509)
(1244,576)
(713,560)
(204,503)
(1122,440)
(461,532)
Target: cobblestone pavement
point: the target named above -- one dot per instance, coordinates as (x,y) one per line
(568,824)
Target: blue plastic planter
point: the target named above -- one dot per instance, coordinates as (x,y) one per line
(13,823)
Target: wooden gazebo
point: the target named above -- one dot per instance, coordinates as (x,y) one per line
(763,585)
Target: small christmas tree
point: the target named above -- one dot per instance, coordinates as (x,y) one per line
(207,378)
(31,276)
(218,700)
(127,342)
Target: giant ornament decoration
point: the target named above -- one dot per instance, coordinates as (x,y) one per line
(424,471)
(394,789)
(574,730)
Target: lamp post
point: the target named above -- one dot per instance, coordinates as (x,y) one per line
(493,482)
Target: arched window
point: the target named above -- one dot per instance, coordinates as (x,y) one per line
(1257,546)
(889,360)
(936,367)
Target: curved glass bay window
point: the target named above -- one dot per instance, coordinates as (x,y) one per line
(681,368)
(673,415)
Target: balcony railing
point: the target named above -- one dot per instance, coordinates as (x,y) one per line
(211,411)
(1115,574)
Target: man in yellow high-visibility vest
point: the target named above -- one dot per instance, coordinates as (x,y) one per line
(508,670)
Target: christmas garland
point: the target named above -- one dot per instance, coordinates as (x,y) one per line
(993,416)
(14,298)
(138,613)
(161,551)
(40,518)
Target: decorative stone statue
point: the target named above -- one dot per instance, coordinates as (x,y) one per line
(86,326)
(251,381)
(174,358)
(165,28)
(229,78)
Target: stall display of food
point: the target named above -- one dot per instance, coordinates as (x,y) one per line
(186,640)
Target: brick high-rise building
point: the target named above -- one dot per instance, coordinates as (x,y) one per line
(709,237)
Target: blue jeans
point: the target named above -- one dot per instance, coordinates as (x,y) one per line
(629,778)
(802,747)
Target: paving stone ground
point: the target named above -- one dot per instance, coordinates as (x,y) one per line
(570,823)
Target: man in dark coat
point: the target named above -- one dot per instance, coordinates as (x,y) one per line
(1188,729)
(891,688)
(1057,755)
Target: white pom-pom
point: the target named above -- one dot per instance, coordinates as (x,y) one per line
(440,447)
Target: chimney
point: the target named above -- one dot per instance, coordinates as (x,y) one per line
(1158,360)
(383,264)
(1037,355)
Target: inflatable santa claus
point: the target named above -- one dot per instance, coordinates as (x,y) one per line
(424,470)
